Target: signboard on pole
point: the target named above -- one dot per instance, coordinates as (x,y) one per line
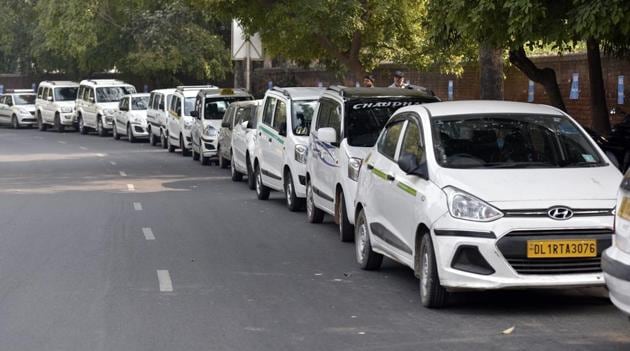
(244,46)
(530,91)
(620,92)
(574,94)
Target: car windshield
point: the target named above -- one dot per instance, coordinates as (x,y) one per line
(189,105)
(302,115)
(66,94)
(140,103)
(113,94)
(215,107)
(24,99)
(511,141)
(365,118)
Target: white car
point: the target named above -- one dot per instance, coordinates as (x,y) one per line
(616,259)
(210,108)
(486,195)
(180,120)
(157,116)
(243,139)
(131,118)
(97,101)
(55,104)
(345,127)
(17,108)
(281,143)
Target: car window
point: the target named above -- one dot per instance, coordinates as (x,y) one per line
(113,94)
(27,99)
(45,93)
(168,100)
(412,143)
(2,100)
(65,94)
(90,94)
(389,140)
(253,116)
(124,104)
(242,115)
(178,106)
(280,117)
(40,92)
(152,101)
(140,103)
(323,115)
(302,115)
(270,106)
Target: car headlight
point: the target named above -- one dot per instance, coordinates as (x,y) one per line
(137,120)
(188,125)
(66,109)
(109,111)
(300,153)
(210,131)
(354,166)
(465,206)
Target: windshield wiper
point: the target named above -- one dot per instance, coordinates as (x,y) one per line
(520,165)
(581,164)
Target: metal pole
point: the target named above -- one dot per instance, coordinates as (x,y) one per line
(248,67)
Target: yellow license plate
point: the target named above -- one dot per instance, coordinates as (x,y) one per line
(624,208)
(561,248)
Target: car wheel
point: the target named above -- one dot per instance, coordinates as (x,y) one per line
(82,129)
(205,160)
(313,214)
(346,230)
(294,203)
(432,294)
(223,163)
(99,127)
(115,132)
(163,140)
(132,138)
(262,192)
(40,122)
(195,154)
(14,122)
(236,175)
(251,178)
(185,152)
(152,139)
(58,126)
(366,257)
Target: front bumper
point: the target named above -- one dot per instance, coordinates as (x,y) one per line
(108,122)
(298,172)
(209,147)
(499,260)
(140,131)
(27,119)
(67,119)
(616,266)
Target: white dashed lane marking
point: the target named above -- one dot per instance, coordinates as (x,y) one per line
(83,148)
(123,174)
(164,278)
(148,234)
(137,206)
(130,187)
(100,155)
(61,142)
(113,163)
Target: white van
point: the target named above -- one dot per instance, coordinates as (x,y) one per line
(55,104)
(180,121)
(96,103)
(243,139)
(157,116)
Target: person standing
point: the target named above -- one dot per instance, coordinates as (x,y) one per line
(368,81)
(399,80)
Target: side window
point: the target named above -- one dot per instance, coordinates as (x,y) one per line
(91,95)
(165,102)
(389,140)
(40,92)
(412,143)
(171,105)
(152,101)
(253,116)
(2,100)
(80,93)
(280,118)
(9,100)
(241,115)
(334,120)
(198,106)
(227,116)
(323,115)
(270,106)
(45,93)
(178,106)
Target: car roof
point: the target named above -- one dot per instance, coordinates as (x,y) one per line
(60,83)
(247,103)
(139,95)
(19,93)
(361,92)
(300,93)
(104,82)
(164,91)
(467,107)
(224,92)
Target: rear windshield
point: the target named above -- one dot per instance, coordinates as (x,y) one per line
(365,118)
(511,141)
(215,108)
(302,115)
(113,94)
(24,99)
(140,103)
(66,94)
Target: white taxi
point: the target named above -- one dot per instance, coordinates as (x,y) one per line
(180,121)
(17,108)
(131,118)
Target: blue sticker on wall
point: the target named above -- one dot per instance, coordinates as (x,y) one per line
(34,86)
(146,88)
(450,90)
(530,91)
(575,87)
(269,84)
(620,93)
(1,89)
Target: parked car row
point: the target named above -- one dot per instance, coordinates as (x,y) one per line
(471,195)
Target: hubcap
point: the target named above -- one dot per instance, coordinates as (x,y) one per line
(309,202)
(362,242)
(424,280)
(289,191)
(258,181)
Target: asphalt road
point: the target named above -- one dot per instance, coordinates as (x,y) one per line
(185,259)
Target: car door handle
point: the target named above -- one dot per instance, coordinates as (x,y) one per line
(391,178)
(370,167)
(269,140)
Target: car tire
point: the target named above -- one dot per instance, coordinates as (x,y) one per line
(366,257)
(15,123)
(40,123)
(152,139)
(185,152)
(432,294)
(346,229)
(313,214)
(251,177)
(82,127)
(262,192)
(100,130)
(115,132)
(195,154)
(236,175)
(171,147)
(294,204)
(223,163)
(132,138)
(58,126)
(205,160)
(163,140)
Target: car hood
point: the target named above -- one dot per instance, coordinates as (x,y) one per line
(215,123)
(28,108)
(71,103)
(108,105)
(513,188)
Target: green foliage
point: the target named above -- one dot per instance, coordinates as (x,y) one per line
(17,19)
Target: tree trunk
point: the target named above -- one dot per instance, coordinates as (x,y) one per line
(490,72)
(600,121)
(545,76)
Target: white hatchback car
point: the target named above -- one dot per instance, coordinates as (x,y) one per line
(17,108)
(97,101)
(180,121)
(281,143)
(344,128)
(131,118)
(157,115)
(486,195)
(616,260)
(55,104)
(243,140)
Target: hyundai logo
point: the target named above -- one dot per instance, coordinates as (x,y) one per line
(560,213)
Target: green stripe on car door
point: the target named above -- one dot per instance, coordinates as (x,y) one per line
(406,188)
(377,172)
(272,134)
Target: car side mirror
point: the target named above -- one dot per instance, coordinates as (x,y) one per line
(327,135)
(613,159)
(91,99)
(409,165)
(225,124)
(49,98)
(194,113)
(246,124)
